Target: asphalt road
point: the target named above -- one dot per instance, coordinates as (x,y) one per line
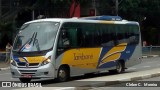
(155,80)
(147,64)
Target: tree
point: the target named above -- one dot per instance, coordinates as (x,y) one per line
(131,10)
(106,7)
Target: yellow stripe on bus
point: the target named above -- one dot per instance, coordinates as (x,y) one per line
(82,58)
(112,57)
(21,60)
(113,54)
(36,59)
(107,22)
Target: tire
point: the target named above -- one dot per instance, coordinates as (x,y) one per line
(63,74)
(119,68)
(25,80)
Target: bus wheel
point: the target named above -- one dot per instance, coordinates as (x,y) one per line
(63,74)
(119,68)
(25,80)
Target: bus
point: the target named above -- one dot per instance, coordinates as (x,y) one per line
(61,48)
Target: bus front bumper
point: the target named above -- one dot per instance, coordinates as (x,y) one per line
(45,71)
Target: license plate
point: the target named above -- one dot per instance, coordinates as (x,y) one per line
(27,76)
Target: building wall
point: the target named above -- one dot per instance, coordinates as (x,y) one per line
(85,10)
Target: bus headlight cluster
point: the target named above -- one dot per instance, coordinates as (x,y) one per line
(13,62)
(48,60)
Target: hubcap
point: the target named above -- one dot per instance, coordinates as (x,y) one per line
(62,74)
(119,67)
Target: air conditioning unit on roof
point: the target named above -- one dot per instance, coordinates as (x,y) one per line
(104,17)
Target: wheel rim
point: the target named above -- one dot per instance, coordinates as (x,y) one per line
(119,67)
(62,75)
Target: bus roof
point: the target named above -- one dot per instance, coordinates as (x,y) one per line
(61,20)
(103,17)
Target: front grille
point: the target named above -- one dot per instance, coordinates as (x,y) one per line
(28,71)
(33,64)
(21,64)
(29,65)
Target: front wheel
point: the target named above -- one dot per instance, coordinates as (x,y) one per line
(63,74)
(25,80)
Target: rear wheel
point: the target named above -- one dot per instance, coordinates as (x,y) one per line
(25,80)
(119,68)
(63,74)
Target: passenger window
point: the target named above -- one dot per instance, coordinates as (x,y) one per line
(68,38)
(64,38)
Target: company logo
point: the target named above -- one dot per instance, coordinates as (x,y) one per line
(81,56)
(27,64)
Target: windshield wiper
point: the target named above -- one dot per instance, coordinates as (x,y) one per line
(28,41)
(37,44)
(35,41)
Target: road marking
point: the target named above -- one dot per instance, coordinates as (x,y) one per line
(66,88)
(150,62)
(146,66)
(5,73)
(12,78)
(98,88)
(132,68)
(124,79)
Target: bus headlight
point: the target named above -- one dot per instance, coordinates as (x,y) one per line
(48,60)
(13,62)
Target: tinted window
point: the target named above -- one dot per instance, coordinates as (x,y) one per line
(73,35)
(127,34)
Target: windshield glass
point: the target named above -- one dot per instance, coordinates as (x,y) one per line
(37,36)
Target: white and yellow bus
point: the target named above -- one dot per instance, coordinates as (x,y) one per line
(61,48)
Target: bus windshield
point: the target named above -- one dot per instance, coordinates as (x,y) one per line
(36,36)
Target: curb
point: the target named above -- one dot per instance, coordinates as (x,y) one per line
(3,69)
(120,81)
(148,56)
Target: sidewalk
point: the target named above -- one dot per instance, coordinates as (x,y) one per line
(3,65)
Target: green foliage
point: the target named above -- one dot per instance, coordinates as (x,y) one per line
(131,9)
(6,32)
(4,27)
(138,9)
(146,12)
(41,4)
(106,7)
